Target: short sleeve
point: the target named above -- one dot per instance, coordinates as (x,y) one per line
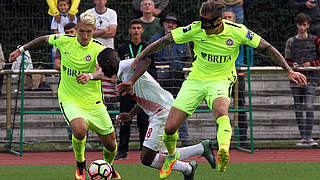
(113,18)
(55,40)
(183,34)
(249,37)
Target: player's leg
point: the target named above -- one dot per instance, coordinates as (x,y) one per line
(153,146)
(75,118)
(79,131)
(218,100)
(192,93)
(221,106)
(205,148)
(100,122)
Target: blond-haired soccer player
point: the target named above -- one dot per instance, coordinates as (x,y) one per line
(216,48)
(79,92)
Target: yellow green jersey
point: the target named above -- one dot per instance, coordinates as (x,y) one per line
(216,54)
(77,59)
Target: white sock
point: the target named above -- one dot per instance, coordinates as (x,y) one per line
(157,161)
(189,151)
(183,167)
(180,166)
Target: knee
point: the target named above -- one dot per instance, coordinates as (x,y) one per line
(112,146)
(170,130)
(80,133)
(145,161)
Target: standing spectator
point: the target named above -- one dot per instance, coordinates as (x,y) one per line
(212,75)
(54,12)
(106,23)
(303,50)
(158,11)
(150,23)
(240,62)
(80,77)
(2,64)
(129,50)
(237,7)
(311,8)
(106,28)
(63,7)
(175,56)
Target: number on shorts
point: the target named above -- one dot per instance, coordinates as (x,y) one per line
(149,132)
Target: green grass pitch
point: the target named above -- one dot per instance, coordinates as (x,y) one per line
(236,171)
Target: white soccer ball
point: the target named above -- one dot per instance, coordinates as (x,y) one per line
(100,170)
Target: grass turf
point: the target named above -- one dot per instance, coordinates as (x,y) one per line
(236,171)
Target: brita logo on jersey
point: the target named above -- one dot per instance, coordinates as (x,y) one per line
(215,59)
(72,72)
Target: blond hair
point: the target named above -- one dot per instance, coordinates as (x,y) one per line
(87,18)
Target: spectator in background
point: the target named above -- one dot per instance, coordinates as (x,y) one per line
(63,7)
(106,29)
(237,7)
(70,29)
(312,9)
(2,64)
(106,23)
(54,12)
(158,11)
(150,23)
(128,50)
(302,50)
(240,62)
(172,58)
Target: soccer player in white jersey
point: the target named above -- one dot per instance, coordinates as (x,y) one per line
(216,48)
(156,102)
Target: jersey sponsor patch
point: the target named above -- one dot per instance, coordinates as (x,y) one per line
(229,42)
(250,35)
(186,28)
(88,58)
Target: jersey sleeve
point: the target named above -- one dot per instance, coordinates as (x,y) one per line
(56,39)
(113,18)
(249,37)
(183,34)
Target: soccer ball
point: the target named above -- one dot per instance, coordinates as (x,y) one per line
(100,170)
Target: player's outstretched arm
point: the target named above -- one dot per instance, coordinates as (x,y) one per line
(152,48)
(125,87)
(13,56)
(276,56)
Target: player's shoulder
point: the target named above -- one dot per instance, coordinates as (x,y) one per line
(97,42)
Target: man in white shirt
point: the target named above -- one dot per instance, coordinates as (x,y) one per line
(106,23)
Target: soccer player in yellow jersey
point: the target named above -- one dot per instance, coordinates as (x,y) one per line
(216,48)
(79,92)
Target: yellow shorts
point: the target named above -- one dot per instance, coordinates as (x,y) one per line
(98,120)
(194,91)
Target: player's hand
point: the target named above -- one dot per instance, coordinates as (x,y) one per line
(297,77)
(124,88)
(71,17)
(83,78)
(13,56)
(57,18)
(123,118)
